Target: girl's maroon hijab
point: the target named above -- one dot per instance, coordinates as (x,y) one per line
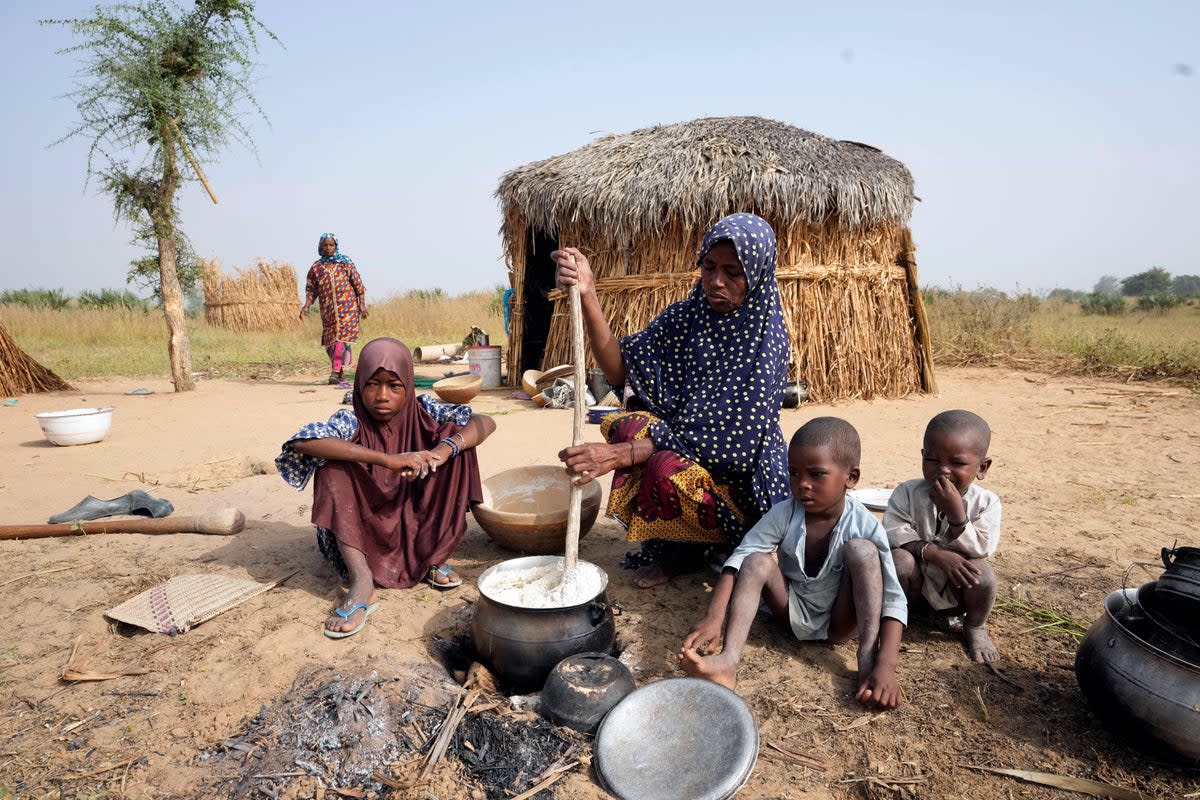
(403,527)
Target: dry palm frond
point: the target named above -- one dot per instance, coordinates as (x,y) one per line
(20,373)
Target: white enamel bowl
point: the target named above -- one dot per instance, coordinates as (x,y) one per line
(76,426)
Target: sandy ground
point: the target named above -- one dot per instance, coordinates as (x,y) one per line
(1096,477)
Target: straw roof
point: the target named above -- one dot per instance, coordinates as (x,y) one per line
(627,182)
(638,204)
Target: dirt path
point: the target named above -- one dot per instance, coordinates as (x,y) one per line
(1096,477)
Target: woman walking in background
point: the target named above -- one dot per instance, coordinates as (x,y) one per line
(334,283)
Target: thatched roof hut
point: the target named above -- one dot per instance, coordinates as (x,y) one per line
(20,373)
(638,205)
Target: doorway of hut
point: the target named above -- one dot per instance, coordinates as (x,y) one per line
(539,282)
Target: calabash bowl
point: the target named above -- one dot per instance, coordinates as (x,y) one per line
(525,509)
(459,389)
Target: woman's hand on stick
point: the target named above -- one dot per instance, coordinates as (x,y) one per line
(572,269)
(586,462)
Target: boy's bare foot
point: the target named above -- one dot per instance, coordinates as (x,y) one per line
(713,668)
(980,645)
(340,624)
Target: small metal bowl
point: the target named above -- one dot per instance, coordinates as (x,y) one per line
(584,687)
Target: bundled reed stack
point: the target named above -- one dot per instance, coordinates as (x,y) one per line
(20,373)
(638,205)
(262,298)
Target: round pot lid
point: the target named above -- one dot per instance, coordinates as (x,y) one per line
(683,738)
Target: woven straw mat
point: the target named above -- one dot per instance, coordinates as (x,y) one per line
(185,601)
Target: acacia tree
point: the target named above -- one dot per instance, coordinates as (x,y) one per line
(1155,280)
(159,93)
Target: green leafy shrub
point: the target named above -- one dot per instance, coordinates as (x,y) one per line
(112,298)
(1159,303)
(51,299)
(1102,304)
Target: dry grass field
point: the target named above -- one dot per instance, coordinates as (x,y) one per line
(967,328)
(82,343)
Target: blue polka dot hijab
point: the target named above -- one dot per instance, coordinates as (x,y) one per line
(337,257)
(716,380)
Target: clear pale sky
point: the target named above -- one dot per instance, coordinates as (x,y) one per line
(1051,143)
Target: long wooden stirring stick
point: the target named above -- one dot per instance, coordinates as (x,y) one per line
(576,500)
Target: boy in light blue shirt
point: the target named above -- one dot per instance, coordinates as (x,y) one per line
(834,576)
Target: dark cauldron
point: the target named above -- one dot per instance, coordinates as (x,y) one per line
(1141,676)
(522,645)
(1178,588)
(584,687)
(794,393)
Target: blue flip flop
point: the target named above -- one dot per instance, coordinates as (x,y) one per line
(346,614)
(444,570)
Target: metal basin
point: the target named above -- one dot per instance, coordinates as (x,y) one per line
(677,739)
(1140,679)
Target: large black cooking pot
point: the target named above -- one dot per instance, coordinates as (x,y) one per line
(1141,677)
(1178,588)
(522,645)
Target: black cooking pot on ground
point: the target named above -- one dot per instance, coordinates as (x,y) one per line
(794,393)
(520,643)
(1178,588)
(584,687)
(1140,676)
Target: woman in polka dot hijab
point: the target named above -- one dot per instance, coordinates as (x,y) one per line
(698,455)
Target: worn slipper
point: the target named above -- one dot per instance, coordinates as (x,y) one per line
(346,614)
(444,570)
(134,502)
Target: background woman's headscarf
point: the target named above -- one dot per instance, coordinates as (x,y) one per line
(337,257)
(404,527)
(716,380)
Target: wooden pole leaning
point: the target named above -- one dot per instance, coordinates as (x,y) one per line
(576,499)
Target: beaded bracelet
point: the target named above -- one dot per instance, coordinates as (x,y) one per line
(449,442)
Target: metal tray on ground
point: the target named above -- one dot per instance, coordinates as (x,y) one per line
(677,739)
(874,499)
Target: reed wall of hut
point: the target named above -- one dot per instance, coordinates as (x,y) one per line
(261,298)
(849,289)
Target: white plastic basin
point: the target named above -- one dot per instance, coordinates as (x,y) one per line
(76,426)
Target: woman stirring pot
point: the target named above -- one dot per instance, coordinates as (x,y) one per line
(698,455)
